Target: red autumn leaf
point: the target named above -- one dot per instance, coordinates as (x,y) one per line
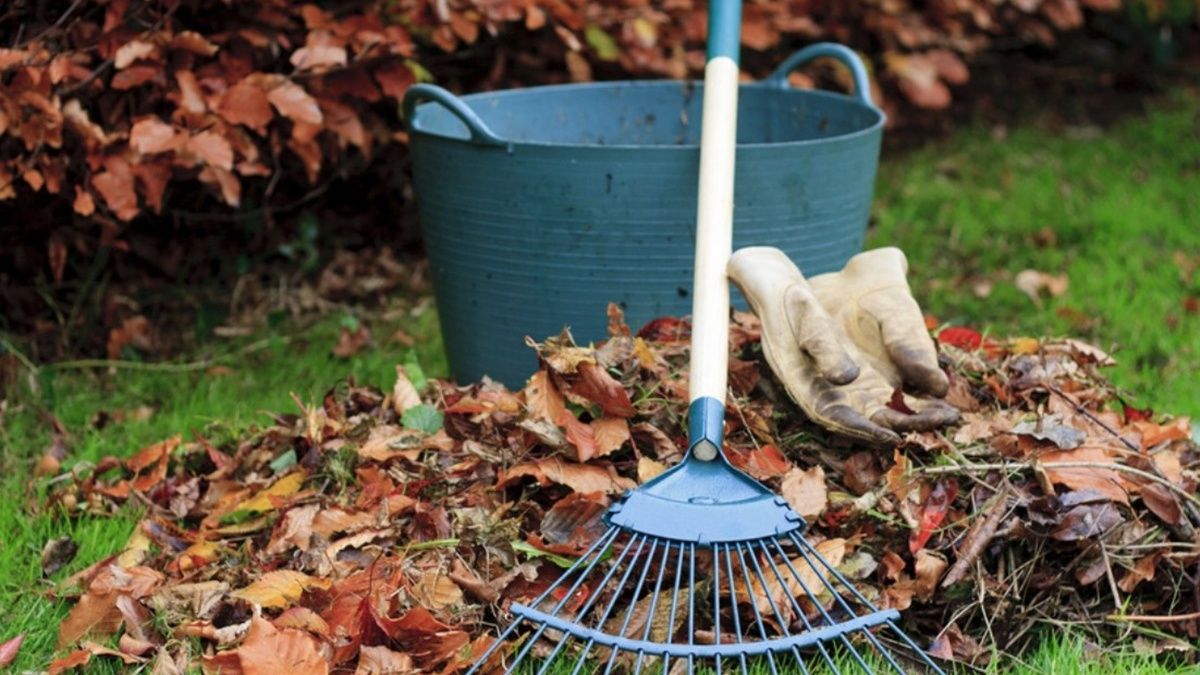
(10,648)
(191,41)
(1162,503)
(582,478)
(115,185)
(1106,481)
(665,329)
(1153,434)
(933,512)
(56,254)
(380,660)
(137,75)
(151,136)
(762,463)
(83,204)
(133,331)
(595,384)
(76,659)
(226,182)
(919,80)
(247,104)
(394,79)
(963,338)
(270,651)
(1132,414)
(897,402)
(573,524)
(132,51)
(152,178)
(212,149)
(318,58)
(293,102)
(421,635)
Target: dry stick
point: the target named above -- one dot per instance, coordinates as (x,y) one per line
(1026,466)
(1153,618)
(977,539)
(1193,510)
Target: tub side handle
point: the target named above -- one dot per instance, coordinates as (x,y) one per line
(847,56)
(418,93)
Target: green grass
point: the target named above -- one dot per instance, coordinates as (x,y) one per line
(967,209)
(1115,209)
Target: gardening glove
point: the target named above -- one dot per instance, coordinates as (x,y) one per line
(840,385)
(872,304)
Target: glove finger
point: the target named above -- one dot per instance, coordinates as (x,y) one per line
(815,332)
(933,415)
(908,344)
(847,421)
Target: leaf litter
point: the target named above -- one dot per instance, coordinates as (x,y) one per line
(390,531)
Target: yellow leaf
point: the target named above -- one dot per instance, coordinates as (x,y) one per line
(647,469)
(1024,346)
(136,550)
(284,487)
(805,491)
(252,525)
(279,588)
(436,591)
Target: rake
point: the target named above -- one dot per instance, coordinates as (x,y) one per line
(708,564)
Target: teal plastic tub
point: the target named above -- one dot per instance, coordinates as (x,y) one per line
(540,206)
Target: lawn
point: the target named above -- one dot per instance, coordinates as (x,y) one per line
(1111,209)
(1114,210)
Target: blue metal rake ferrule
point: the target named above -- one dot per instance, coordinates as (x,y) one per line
(705,502)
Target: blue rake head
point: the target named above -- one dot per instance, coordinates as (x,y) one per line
(711,569)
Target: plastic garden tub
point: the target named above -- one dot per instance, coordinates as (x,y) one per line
(539,206)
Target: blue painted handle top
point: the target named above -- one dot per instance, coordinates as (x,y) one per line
(847,57)
(724,28)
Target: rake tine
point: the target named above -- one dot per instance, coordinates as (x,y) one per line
(758,620)
(795,605)
(921,654)
(554,654)
(582,657)
(595,595)
(616,596)
(733,604)
(567,596)
(674,605)
(716,563)
(637,590)
(870,606)
(487,654)
(783,622)
(805,549)
(691,629)
(817,601)
(596,548)
(662,568)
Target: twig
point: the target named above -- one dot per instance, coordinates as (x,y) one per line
(1153,618)
(52,27)
(165,367)
(1192,509)
(10,348)
(1029,466)
(1108,572)
(977,539)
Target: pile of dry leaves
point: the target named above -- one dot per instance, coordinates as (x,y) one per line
(387,532)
